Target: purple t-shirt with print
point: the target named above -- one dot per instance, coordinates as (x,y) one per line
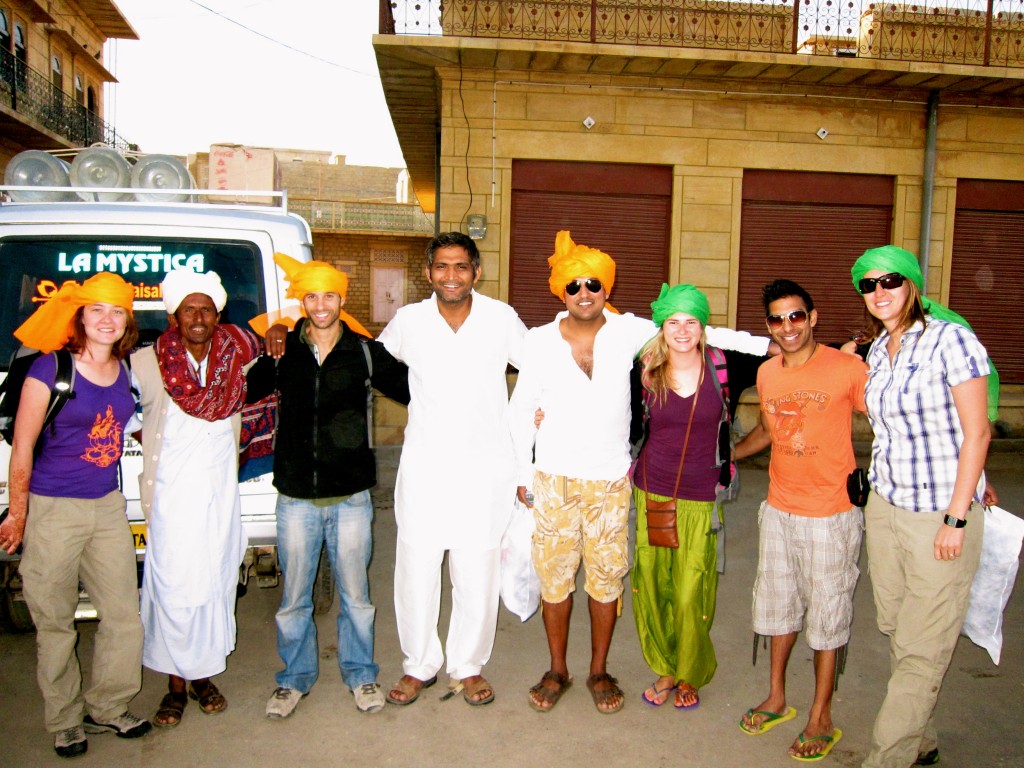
(78,453)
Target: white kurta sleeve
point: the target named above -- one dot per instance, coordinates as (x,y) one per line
(738,341)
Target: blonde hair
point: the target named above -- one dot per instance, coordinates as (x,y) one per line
(656,370)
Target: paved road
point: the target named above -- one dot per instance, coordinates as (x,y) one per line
(979,710)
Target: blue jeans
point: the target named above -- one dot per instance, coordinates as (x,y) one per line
(303,525)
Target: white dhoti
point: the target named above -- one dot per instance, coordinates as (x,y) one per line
(195,548)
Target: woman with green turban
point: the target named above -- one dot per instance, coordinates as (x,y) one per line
(927,401)
(686,410)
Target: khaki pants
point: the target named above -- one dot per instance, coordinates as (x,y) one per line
(89,539)
(921,603)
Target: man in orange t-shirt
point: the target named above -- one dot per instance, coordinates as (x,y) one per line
(810,532)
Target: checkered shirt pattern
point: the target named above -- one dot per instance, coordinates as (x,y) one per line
(910,406)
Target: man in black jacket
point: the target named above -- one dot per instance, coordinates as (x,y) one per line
(323,470)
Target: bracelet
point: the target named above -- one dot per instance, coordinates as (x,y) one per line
(954,522)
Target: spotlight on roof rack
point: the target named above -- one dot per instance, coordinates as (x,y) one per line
(35,168)
(100,167)
(158,172)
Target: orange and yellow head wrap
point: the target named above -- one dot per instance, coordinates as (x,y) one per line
(311,277)
(49,327)
(571,261)
(303,278)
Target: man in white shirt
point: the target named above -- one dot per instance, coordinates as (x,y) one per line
(576,369)
(455,480)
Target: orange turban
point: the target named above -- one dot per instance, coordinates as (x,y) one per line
(571,261)
(303,278)
(49,327)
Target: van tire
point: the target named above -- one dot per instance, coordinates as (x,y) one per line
(14,613)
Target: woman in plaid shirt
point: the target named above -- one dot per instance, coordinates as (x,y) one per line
(927,401)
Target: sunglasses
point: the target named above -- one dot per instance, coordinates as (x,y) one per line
(892,280)
(796,317)
(592,283)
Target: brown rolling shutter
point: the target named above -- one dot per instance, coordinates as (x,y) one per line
(810,228)
(987,276)
(623,210)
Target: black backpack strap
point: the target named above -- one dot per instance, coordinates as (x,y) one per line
(63,386)
(369,389)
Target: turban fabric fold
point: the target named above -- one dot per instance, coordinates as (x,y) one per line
(684,298)
(571,261)
(183,282)
(49,327)
(891,258)
(303,278)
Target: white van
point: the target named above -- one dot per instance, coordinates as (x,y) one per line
(42,244)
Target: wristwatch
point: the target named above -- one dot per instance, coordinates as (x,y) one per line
(954,522)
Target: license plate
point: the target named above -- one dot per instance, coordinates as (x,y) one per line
(139,534)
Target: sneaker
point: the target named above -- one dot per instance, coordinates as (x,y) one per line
(126,726)
(369,697)
(283,702)
(70,742)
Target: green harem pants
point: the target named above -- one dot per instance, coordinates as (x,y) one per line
(674,593)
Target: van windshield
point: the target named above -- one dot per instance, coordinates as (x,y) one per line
(33,268)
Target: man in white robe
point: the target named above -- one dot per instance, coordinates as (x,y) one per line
(192,386)
(456,483)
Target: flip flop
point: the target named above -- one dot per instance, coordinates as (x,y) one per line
(830,741)
(410,692)
(658,693)
(771,720)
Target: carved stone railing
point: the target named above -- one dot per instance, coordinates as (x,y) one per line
(981,32)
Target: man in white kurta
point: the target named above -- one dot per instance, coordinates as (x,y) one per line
(192,387)
(456,484)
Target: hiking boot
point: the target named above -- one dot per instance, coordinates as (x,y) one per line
(126,726)
(283,702)
(70,742)
(369,698)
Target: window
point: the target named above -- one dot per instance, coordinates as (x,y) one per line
(6,57)
(79,90)
(20,55)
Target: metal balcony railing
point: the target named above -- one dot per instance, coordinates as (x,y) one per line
(976,32)
(363,217)
(31,94)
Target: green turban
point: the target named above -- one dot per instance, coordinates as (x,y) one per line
(680,298)
(890,258)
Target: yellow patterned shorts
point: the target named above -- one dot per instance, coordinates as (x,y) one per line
(580,519)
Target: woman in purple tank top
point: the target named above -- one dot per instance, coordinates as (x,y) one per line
(66,506)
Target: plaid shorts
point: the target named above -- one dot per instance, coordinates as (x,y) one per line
(580,519)
(807,565)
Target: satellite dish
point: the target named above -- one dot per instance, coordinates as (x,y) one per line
(35,168)
(100,167)
(161,172)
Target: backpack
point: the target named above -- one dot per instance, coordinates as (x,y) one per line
(10,390)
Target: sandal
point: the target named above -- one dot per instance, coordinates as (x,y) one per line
(609,698)
(209,697)
(409,687)
(172,706)
(548,696)
(683,692)
(477,691)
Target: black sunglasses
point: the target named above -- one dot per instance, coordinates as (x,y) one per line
(796,317)
(592,283)
(892,280)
